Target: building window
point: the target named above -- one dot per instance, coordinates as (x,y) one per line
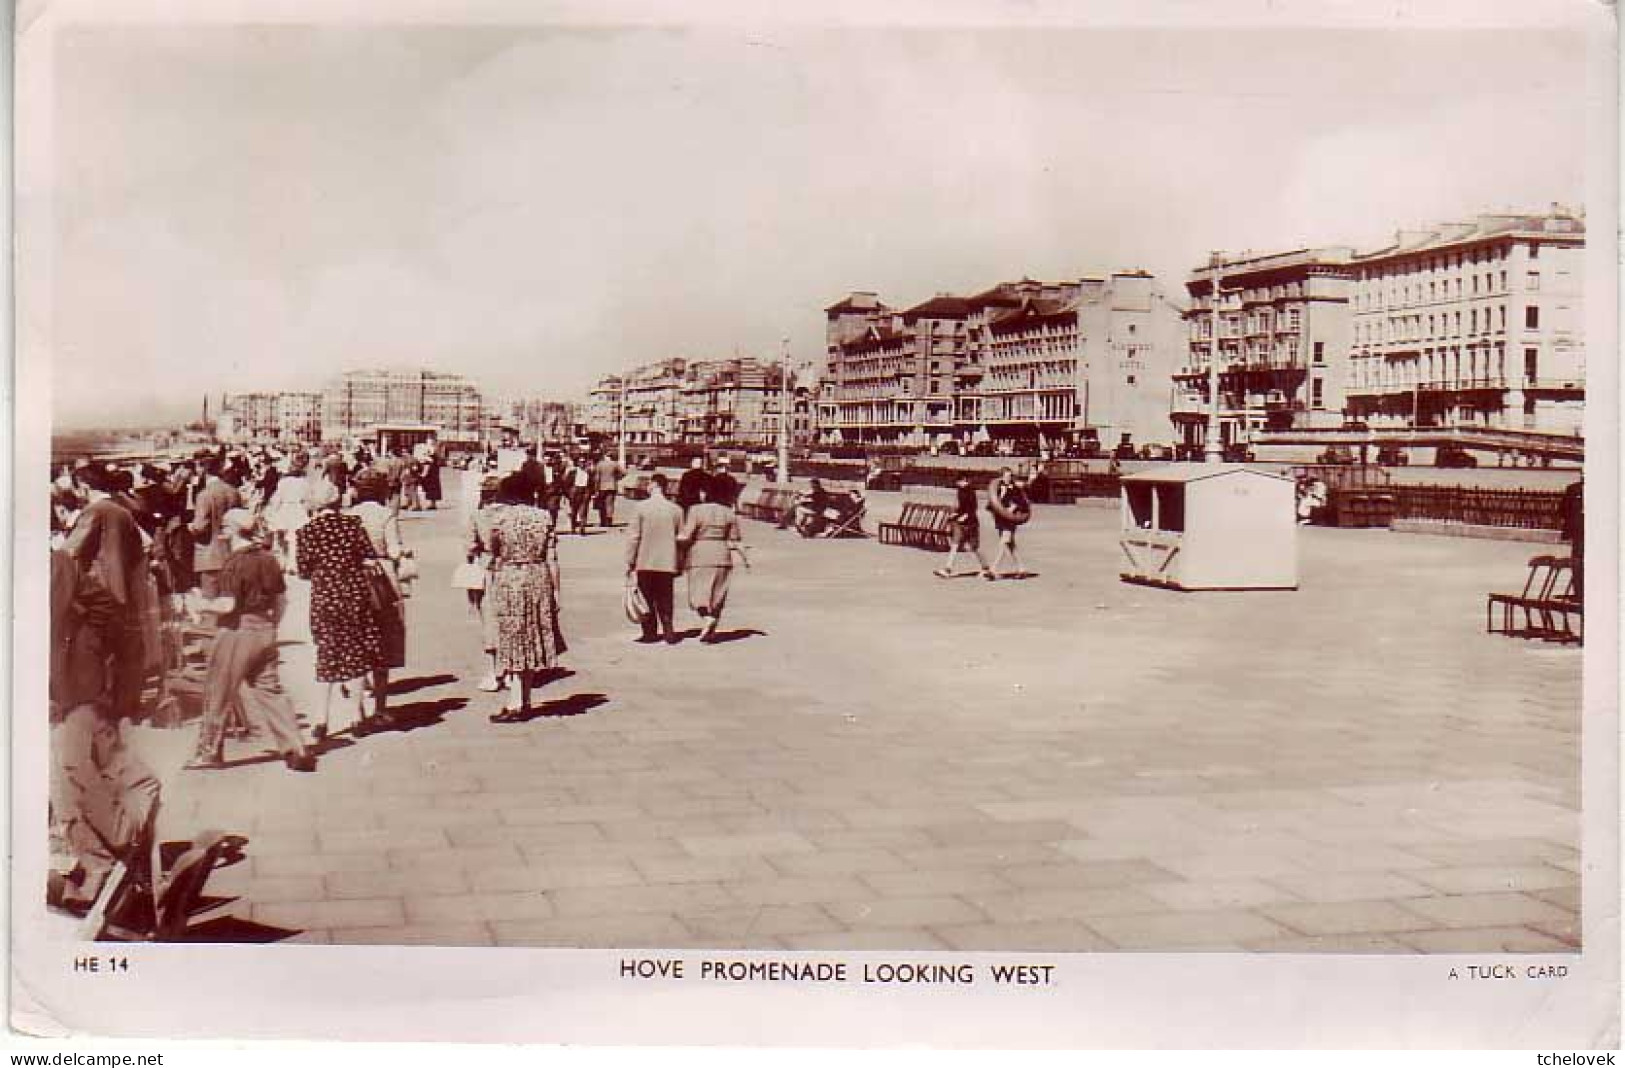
(1320,352)
(1131,380)
(1531,318)
(1317,398)
(1534,251)
(1531,364)
(1534,280)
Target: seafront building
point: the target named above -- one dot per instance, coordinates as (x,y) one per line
(1047,363)
(1283,325)
(1475,323)
(357,403)
(734,401)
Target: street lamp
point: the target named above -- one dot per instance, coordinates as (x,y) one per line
(1213,451)
(784,412)
(621,432)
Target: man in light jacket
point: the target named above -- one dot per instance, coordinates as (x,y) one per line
(651,555)
(606,475)
(218,497)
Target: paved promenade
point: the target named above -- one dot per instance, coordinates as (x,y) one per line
(878,758)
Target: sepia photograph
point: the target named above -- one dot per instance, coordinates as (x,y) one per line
(847,501)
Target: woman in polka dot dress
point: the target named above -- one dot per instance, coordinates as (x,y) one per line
(349,643)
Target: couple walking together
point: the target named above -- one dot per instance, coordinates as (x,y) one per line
(663,540)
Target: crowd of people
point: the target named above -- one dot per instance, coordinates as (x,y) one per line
(148,557)
(151,559)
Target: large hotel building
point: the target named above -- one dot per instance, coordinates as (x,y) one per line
(734,401)
(357,402)
(1466,324)
(1046,362)
(1283,324)
(1473,323)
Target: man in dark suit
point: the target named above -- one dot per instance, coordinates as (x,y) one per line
(688,487)
(1574,532)
(535,478)
(107,544)
(724,487)
(651,555)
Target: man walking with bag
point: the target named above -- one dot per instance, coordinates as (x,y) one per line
(651,556)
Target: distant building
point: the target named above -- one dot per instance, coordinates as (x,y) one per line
(540,419)
(299,417)
(602,414)
(248,417)
(1283,343)
(1473,323)
(735,402)
(653,402)
(356,402)
(1046,363)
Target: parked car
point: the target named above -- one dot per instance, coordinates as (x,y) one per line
(1238,452)
(1336,454)
(1156,452)
(1453,456)
(1392,456)
(1124,451)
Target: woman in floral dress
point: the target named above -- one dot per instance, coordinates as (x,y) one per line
(333,551)
(523,593)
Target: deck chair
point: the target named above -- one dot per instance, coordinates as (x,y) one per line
(1538,587)
(152,893)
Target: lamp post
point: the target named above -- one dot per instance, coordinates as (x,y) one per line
(1213,450)
(620,435)
(784,412)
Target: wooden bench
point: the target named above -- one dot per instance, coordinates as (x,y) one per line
(921,525)
(771,504)
(1550,603)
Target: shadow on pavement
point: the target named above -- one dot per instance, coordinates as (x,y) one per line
(419,714)
(401,687)
(233,929)
(577,704)
(723,636)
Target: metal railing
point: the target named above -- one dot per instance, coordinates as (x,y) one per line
(1526,509)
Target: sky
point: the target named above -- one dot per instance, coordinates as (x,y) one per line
(258,208)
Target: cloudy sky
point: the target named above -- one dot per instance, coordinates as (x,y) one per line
(256,208)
